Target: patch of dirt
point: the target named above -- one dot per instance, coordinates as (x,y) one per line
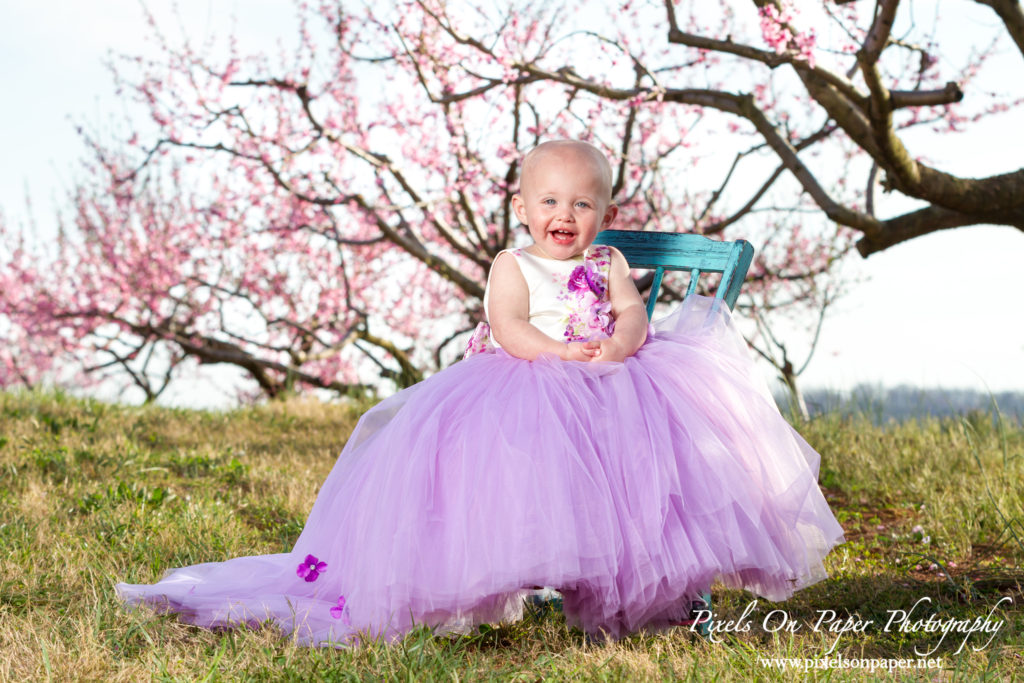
(990,568)
(865,528)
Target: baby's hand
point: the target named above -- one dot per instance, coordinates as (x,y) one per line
(581,351)
(610,350)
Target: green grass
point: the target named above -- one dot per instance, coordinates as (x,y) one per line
(92,494)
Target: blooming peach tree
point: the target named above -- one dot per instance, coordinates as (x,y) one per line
(326,217)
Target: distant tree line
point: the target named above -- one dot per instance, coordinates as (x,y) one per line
(905,402)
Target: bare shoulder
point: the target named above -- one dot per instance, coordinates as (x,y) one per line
(505,272)
(507,292)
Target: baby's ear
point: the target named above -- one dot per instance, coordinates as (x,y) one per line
(519,207)
(609,215)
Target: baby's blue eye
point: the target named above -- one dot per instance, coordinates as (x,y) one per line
(585,205)
(549,201)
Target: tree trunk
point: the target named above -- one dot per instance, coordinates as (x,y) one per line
(797,404)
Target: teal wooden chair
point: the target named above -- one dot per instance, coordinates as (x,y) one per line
(661,251)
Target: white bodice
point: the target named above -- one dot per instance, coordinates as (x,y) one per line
(554,304)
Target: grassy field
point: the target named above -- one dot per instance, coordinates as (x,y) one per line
(92,494)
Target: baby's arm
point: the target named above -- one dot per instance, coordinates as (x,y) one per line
(509,317)
(628,310)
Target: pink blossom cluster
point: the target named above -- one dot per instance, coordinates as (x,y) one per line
(777,31)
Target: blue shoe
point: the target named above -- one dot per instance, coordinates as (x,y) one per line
(699,617)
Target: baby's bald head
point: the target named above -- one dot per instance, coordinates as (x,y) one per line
(560,151)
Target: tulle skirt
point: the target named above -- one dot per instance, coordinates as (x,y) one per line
(629,487)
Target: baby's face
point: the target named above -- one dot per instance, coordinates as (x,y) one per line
(564,201)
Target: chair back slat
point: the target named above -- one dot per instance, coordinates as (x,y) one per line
(694,279)
(659,273)
(663,251)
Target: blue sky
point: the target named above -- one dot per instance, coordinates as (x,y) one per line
(941,311)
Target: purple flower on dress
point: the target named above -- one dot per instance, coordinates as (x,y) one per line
(578,279)
(585,295)
(311,568)
(595,279)
(339,611)
(602,316)
(571,333)
(587,277)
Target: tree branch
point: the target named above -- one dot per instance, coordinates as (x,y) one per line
(927,220)
(721,225)
(1012,14)
(770,59)
(410,374)
(878,35)
(926,98)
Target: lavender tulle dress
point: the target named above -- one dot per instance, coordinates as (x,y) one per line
(629,487)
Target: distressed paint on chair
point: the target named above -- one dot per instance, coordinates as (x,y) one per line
(661,251)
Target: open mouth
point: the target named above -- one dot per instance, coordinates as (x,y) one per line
(562,236)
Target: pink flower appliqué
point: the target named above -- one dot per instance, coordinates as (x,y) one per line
(586,295)
(588,276)
(578,279)
(596,280)
(601,313)
(340,611)
(311,568)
